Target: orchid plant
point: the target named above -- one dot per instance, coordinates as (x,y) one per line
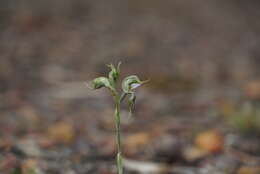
(129,84)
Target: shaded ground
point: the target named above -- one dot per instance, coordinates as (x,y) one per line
(188,132)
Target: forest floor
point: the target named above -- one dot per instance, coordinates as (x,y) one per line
(70,130)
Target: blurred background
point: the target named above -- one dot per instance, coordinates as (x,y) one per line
(198,114)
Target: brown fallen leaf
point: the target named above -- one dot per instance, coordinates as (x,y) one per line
(248,170)
(252,90)
(137,141)
(210,141)
(61,132)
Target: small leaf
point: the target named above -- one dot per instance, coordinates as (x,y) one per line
(100,82)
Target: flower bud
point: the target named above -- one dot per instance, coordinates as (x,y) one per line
(130,83)
(114,73)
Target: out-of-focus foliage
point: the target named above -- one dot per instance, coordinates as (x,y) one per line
(246,119)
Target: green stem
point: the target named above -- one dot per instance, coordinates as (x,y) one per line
(118,135)
(117,122)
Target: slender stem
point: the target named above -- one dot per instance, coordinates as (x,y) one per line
(118,100)
(117,122)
